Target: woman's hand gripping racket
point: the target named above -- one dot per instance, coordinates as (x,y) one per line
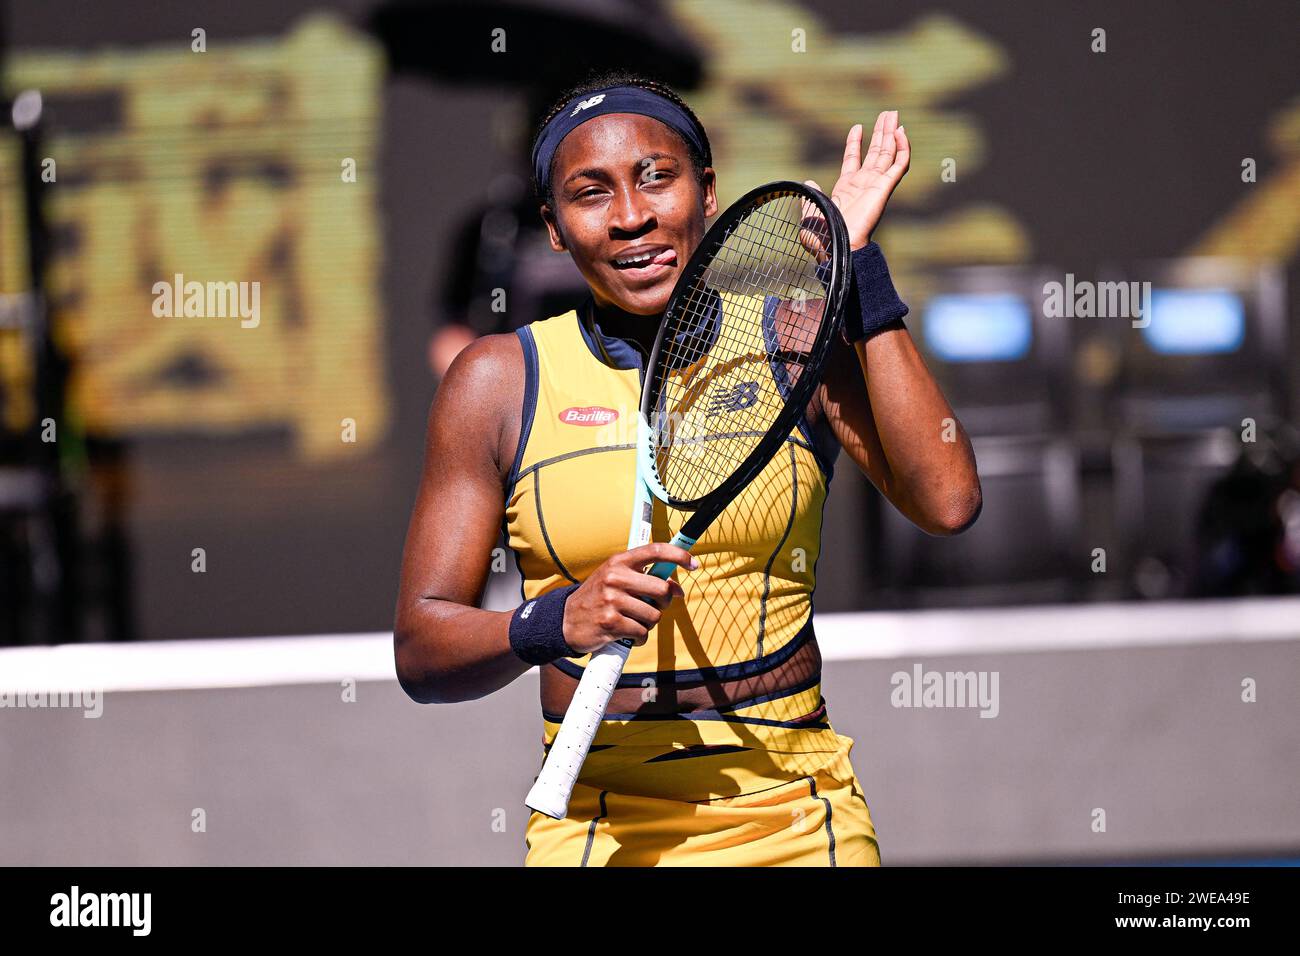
(739,350)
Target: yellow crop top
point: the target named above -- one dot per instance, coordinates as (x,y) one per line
(748,607)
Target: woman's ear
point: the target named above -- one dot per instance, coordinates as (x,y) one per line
(709,184)
(553,229)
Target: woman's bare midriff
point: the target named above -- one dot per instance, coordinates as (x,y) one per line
(666,698)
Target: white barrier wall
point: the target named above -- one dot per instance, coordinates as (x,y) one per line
(253,752)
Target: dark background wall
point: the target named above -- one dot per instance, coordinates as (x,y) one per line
(1122,157)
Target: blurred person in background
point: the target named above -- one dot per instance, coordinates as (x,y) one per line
(502,273)
(1248,528)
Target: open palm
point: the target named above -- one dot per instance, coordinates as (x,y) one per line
(865,184)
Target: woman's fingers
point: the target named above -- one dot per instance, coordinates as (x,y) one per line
(877,135)
(903,154)
(814,232)
(883,157)
(865,182)
(852,151)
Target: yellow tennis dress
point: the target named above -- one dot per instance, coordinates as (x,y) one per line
(763,781)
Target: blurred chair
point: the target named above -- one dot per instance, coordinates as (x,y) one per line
(1202,376)
(1212,353)
(1023,549)
(1002,365)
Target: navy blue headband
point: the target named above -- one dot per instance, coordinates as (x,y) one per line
(614,99)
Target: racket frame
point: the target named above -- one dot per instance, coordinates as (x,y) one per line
(707,507)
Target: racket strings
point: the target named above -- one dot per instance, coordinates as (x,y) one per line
(737,344)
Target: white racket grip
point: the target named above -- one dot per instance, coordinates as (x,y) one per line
(554,785)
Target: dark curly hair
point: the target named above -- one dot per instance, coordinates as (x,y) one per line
(610,78)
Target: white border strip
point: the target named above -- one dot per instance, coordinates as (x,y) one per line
(872,635)
(1066,627)
(195,664)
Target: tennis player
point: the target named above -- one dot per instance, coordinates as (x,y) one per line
(716,748)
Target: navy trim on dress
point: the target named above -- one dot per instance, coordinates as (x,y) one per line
(571,454)
(705,675)
(541,523)
(726,713)
(529,411)
(830,833)
(530,403)
(591,829)
(728,718)
(608,349)
(698,750)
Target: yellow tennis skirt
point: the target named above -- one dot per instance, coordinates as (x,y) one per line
(710,789)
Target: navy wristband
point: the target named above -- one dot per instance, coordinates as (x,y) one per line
(873,302)
(537,628)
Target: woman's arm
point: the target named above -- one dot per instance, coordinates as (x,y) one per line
(446,648)
(901,431)
(879,399)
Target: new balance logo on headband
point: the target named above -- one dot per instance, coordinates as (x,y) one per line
(586,104)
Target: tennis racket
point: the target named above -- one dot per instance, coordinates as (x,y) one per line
(739,350)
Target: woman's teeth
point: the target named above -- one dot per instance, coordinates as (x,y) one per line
(647,258)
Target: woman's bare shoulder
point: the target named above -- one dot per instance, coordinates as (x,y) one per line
(482,394)
(488,361)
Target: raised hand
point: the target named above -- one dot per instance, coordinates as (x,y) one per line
(865,184)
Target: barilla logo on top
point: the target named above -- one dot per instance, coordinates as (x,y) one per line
(590,415)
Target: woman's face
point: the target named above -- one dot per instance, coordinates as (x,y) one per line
(628,208)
